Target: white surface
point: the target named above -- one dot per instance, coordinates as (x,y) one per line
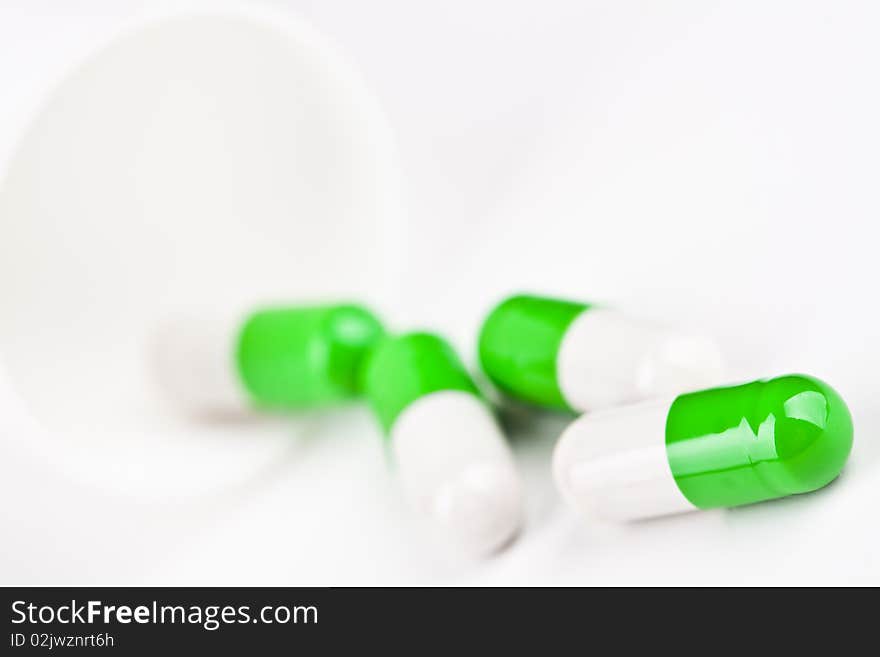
(456,468)
(607,359)
(703,163)
(613,464)
(194,363)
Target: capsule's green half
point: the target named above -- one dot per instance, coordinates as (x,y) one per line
(405,368)
(758,441)
(303,357)
(519,345)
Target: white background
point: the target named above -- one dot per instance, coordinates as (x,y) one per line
(711,163)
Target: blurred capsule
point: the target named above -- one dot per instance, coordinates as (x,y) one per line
(453,460)
(289,358)
(570,355)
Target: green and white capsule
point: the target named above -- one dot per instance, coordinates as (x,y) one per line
(454,462)
(285,358)
(574,356)
(722,447)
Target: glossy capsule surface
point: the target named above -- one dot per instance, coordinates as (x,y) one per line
(721,447)
(757,441)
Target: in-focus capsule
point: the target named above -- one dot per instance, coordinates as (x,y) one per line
(574,356)
(721,447)
(288,358)
(454,462)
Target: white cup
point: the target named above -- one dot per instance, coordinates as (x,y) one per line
(199,156)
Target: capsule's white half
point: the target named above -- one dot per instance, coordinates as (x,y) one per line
(607,358)
(456,467)
(194,363)
(613,464)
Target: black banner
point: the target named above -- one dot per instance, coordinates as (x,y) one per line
(252,620)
